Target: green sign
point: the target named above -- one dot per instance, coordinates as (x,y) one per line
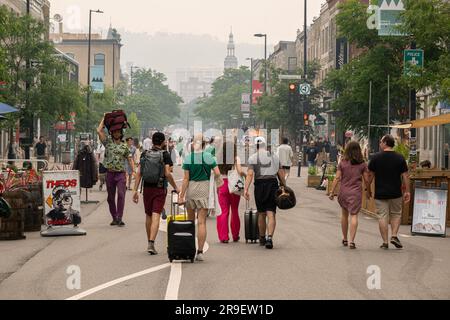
(389,17)
(320,121)
(415,58)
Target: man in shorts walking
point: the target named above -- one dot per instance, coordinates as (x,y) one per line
(266,169)
(390,171)
(155,194)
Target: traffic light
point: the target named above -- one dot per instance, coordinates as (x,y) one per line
(306,119)
(293,97)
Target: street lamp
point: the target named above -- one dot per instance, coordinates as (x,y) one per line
(261,35)
(88,104)
(251,83)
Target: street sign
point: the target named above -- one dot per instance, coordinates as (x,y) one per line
(305,89)
(413,57)
(245,105)
(320,121)
(290,77)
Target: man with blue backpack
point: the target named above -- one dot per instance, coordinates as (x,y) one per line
(155,170)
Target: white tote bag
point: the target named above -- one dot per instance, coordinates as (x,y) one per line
(236,183)
(213,201)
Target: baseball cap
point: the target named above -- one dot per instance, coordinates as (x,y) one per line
(260,140)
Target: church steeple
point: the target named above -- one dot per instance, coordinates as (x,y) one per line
(231,62)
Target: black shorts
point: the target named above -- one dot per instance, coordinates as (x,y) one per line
(286,168)
(265,194)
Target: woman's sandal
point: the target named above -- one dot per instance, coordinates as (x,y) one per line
(345,243)
(352,245)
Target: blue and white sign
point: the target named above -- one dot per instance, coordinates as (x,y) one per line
(97,79)
(305,89)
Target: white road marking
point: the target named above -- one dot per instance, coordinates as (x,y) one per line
(117,281)
(173,286)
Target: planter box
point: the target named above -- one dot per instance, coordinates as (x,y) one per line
(314,181)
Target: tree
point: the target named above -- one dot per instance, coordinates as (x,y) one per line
(155,104)
(274,108)
(225,99)
(135,123)
(426,21)
(48,95)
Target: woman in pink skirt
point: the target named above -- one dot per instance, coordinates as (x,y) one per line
(351,172)
(229,202)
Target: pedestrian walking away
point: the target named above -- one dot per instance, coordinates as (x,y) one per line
(229,201)
(116,152)
(286,156)
(265,168)
(155,170)
(100,152)
(195,190)
(312,154)
(350,174)
(390,171)
(41,148)
(128,168)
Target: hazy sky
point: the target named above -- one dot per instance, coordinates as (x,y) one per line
(278,18)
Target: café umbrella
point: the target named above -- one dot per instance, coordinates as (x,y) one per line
(4,108)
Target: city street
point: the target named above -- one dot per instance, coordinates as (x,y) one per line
(308,261)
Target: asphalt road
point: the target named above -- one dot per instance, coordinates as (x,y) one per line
(308,261)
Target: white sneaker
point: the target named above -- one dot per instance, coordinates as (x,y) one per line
(199,257)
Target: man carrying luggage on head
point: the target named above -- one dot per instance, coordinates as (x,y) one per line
(155,170)
(265,168)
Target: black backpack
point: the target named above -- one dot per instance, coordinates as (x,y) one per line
(285,198)
(152,167)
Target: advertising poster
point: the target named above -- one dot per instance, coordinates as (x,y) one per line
(245,105)
(430,209)
(97,79)
(257,91)
(62,198)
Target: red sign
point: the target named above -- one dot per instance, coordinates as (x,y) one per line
(257,91)
(62,125)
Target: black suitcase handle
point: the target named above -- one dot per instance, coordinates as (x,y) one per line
(174,204)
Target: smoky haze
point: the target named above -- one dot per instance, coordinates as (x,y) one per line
(168,35)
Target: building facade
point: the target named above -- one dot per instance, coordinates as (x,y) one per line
(196,82)
(105,54)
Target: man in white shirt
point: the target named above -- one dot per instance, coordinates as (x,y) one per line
(286,156)
(147,145)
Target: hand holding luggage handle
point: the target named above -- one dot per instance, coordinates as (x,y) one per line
(174,203)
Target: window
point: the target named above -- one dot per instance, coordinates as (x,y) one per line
(99,59)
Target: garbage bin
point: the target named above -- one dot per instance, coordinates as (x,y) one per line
(13,228)
(66,157)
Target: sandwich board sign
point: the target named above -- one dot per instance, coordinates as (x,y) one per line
(62,204)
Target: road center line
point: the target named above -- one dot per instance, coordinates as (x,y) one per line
(117,281)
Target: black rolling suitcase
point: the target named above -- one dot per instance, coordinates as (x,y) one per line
(181,234)
(251,225)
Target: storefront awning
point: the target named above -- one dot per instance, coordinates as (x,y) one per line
(427,122)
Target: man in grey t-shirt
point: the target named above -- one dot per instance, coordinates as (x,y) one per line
(266,170)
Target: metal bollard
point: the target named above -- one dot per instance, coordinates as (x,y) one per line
(299,168)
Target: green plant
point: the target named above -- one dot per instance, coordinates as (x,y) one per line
(331,178)
(403,149)
(312,171)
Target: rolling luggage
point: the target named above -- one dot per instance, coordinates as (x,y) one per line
(251,225)
(180,234)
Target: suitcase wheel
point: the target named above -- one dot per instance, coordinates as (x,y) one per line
(192,260)
(171,260)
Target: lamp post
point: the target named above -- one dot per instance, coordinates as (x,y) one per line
(88,103)
(261,35)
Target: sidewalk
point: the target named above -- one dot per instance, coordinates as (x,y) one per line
(21,251)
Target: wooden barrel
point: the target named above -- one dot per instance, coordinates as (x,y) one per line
(13,228)
(34,214)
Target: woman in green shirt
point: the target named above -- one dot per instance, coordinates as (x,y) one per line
(195,191)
